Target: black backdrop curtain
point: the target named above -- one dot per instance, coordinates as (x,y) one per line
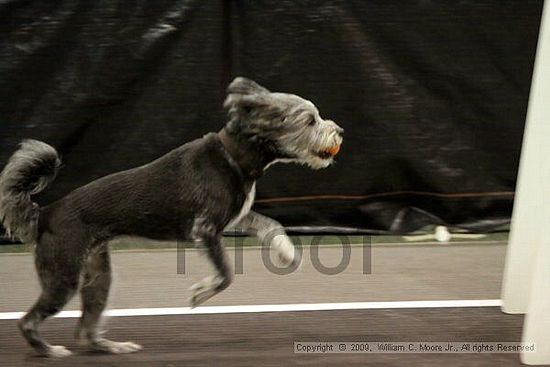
(432,95)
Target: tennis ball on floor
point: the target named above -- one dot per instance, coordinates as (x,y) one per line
(442,234)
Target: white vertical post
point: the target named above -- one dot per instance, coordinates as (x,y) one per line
(526,281)
(531,206)
(536,327)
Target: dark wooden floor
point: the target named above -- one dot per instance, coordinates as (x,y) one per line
(266,339)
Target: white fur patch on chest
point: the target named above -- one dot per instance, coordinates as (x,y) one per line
(247,205)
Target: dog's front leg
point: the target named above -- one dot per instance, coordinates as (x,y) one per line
(270,233)
(204,233)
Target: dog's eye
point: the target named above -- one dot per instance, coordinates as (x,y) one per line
(311,121)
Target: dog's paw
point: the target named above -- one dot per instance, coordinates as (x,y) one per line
(197,299)
(109,346)
(57,351)
(287,254)
(204,290)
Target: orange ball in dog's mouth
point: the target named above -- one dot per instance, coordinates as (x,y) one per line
(333,150)
(329,152)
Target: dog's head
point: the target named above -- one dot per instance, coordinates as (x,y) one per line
(285,124)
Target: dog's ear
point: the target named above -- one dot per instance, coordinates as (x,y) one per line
(246,99)
(245,104)
(241,85)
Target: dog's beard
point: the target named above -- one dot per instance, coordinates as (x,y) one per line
(318,163)
(309,146)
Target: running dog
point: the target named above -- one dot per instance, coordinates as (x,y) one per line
(193,192)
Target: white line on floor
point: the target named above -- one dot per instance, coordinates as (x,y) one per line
(276,308)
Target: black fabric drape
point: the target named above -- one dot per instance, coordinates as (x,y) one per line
(432,95)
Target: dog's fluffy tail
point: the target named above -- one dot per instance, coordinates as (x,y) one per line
(30,169)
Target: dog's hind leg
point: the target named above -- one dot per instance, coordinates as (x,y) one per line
(214,284)
(51,301)
(94,292)
(59,283)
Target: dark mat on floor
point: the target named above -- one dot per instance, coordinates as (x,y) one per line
(266,339)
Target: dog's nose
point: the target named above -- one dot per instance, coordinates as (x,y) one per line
(340,131)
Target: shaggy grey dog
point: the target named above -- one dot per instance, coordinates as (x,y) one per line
(193,192)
